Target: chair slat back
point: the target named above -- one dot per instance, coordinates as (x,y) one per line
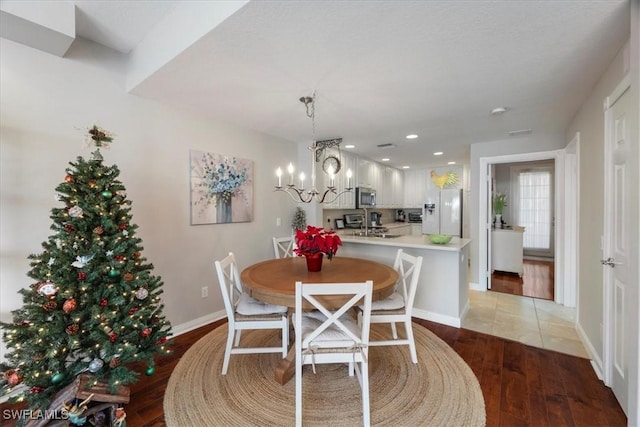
(283,247)
(313,293)
(408,268)
(229,281)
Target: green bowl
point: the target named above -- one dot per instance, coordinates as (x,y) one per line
(439,239)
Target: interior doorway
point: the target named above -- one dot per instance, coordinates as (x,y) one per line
(527,219)
(564,235)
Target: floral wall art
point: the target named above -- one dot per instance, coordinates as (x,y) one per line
(221,188)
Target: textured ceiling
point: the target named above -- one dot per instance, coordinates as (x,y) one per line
(381,69)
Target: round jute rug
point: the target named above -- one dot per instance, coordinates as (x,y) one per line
(441,390)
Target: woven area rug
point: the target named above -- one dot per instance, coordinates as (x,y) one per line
(441,390)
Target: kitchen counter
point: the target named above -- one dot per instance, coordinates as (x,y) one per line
(442,285)
(407,241)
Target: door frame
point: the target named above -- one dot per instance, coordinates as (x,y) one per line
(563,241)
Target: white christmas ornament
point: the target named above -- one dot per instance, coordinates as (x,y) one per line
(81,261)
(142,293)
(75,211)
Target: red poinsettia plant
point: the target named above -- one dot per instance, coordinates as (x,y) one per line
(315,240)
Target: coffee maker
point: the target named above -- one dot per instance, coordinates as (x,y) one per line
(400,215)
(376,218)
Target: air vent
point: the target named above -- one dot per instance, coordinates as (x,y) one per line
(520,132)
(387,145)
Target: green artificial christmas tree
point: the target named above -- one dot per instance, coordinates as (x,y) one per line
(94,306)
(299,221)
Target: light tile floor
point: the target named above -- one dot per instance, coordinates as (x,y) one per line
(536,322)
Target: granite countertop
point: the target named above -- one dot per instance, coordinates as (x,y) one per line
(420,242)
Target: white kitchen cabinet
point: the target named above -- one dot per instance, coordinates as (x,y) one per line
(347,200)
(369,173)
(390,193)
(507,251)
(416,229)
(415,187)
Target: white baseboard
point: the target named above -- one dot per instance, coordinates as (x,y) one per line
(436,317)
(477,287)
(596,361)
(196,323)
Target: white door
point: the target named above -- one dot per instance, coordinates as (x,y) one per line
(618,229)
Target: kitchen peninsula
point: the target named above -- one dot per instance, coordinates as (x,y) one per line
(442,287)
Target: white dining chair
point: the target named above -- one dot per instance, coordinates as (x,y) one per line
(398,307)
(326,335)
(283,247)
(245,312)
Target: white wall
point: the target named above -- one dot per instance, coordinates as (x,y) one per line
(589,121)
(47,103)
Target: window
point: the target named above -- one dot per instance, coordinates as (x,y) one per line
(535,207)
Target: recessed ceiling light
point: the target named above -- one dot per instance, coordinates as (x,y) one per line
(498,110)
(412,136)
(438,153)
(349,146)
(386,159)
(451,163)
(405,167)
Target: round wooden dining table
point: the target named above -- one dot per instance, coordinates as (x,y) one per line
(274,281)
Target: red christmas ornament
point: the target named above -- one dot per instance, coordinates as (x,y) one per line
(103,302)
(14,379)
(123,226)
(6,374)
(68,178)
(113,337)
(69,227)
(69,305)
(128,277)
(133,311)
(162,340)
(36,390)
(145,332)
(119,258)
(82,275)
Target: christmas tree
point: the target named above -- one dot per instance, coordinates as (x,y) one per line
(94,306)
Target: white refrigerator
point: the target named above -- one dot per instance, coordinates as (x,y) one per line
(442,212)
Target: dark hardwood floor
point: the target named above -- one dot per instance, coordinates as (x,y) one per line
(537,281)
(522,385)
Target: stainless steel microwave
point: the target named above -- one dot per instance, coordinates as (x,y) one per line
(365,197)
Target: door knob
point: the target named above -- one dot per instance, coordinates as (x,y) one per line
(610,262)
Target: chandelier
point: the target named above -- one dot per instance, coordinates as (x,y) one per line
(299,193)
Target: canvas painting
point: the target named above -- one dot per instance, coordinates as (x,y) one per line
(221,188)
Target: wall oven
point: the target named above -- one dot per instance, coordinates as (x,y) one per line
(365,197)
